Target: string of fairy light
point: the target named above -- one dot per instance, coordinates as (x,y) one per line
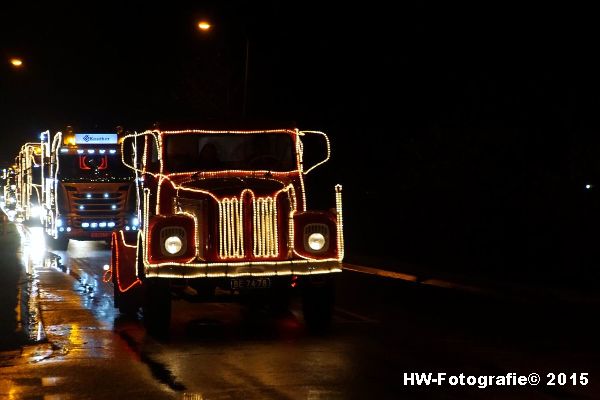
(231,209)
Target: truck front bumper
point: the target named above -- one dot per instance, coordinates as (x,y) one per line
(247,269)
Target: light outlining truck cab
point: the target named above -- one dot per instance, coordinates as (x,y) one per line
(28,182)
(87,191)
(225,210)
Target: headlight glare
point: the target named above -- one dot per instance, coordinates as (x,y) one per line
(173,244)
(316,241)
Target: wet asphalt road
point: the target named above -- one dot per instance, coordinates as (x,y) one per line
(383,328)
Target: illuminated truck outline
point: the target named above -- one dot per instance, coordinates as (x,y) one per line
(28,181)
(245,237)
(84,208)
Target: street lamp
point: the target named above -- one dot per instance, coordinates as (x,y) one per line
(16,62)
(204,26)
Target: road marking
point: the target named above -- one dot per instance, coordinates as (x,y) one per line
(411,278)
(380,272)
(450,285)
(355,315)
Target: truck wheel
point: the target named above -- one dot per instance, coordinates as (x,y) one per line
(156,307)
(127,302)
(279,301)
(318,296)
(62,243)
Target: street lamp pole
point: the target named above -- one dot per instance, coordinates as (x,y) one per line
(206,26)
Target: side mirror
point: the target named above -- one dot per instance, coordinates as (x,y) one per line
(313,143)
(133,147)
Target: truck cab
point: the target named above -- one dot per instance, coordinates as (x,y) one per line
(226,211)
(87,190)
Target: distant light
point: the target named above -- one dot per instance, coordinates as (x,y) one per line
(16,62)
(588,186)
(203,26)
(88,196)
(106,267)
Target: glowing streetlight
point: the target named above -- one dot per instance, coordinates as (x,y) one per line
(16,62)
(204,25)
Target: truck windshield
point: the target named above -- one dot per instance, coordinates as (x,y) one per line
(93,168)
(218,152)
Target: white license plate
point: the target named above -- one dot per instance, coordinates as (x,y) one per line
(250,283)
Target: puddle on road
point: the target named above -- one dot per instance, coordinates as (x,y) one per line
(69,325)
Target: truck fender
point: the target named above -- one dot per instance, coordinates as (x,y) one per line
(123,261)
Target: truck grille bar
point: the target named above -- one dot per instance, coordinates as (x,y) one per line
(266,242)
(231,228)
(94,204)
(264,228)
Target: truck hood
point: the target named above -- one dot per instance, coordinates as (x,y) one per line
(233,186)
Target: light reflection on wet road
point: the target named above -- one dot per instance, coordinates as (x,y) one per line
(224,351)
(217,350)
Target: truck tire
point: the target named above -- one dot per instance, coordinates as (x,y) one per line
(279,301)
(156,308)
(61,244)
(318,297)
(127,302)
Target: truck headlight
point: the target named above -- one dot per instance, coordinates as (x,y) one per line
(316,238)
(173,244)
(173,241)
(316,241)
(35,211)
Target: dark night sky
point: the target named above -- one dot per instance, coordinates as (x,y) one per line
(482,118)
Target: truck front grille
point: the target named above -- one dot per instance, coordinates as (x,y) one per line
(265,241)
(95,204)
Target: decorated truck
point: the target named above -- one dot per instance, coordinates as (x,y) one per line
(225,213)
(87,192)
(28,181)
